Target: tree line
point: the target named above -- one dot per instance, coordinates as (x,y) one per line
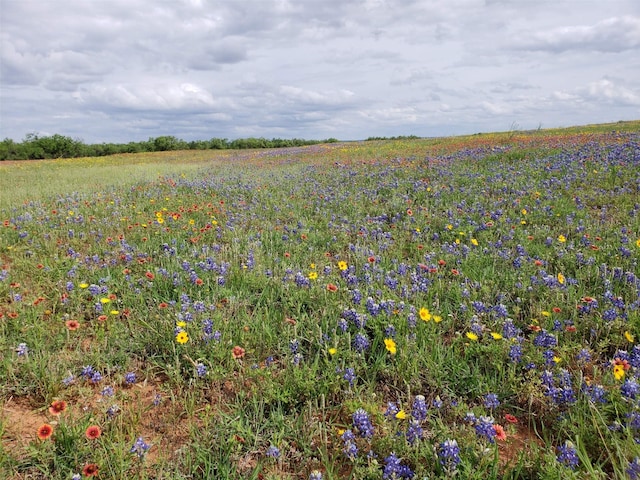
(35,147)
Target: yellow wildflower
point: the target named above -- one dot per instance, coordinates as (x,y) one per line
(182,337)
(618,371)
(496,336)
(313,275)
(629,336)
(342,265)
(562,238)
(390,345)
(561,279)
(472,336)
(425,314)
(333,351)
(401,415)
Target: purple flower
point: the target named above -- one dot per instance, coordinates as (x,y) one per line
(393,468)
(567,455)
(201,369)
(273,452)
(414,432)
(491,400)
(315,475)
(360,342)
(449,454)
(129,378)
(22,350)
(140,447)
(362,423)
(349,375)
(633,470)
(484,428)
(419,408)
(630,388)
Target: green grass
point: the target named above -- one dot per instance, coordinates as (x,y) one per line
(498,264)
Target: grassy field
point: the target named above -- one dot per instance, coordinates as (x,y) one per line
(427,308)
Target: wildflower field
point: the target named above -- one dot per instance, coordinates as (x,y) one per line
(409,308)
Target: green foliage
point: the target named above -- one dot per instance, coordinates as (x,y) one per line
(35,147)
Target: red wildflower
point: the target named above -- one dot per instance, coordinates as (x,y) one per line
(57,407)
(45,431)
(500,433)
(556,309)
(149,275)
(371,259)
(237,352)
(102,318)
(90,470)
(163,305)
(332,288)
(72,324)
(93,432)
(510,418)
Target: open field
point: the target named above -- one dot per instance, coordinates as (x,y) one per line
(426,308)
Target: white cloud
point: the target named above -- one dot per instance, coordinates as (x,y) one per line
(610,35)
(107,71)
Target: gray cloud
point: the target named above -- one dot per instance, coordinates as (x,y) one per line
(121,71)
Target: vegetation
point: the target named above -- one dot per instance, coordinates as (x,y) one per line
(408,308)
(35,147)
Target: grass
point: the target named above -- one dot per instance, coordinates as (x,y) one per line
(363,310)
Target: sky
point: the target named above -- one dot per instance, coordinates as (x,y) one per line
(128,70)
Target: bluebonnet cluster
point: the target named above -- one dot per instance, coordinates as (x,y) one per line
(558,387)
(630,388)
(491,401)
(567,455)
(362,423)
(633,470)
(394,469)
(419,408)
(349,447)
(91,374)
(108,391)
(415,432)
(483,426)
(273,452)
(201,369)
(361,342)
(392,410)
(349,375)
(140,447)
(113,410)
(449,455)
(22,350)
(315,475)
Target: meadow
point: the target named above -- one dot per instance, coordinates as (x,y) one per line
(462,307)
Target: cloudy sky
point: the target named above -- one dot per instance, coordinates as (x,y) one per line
(127,70)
